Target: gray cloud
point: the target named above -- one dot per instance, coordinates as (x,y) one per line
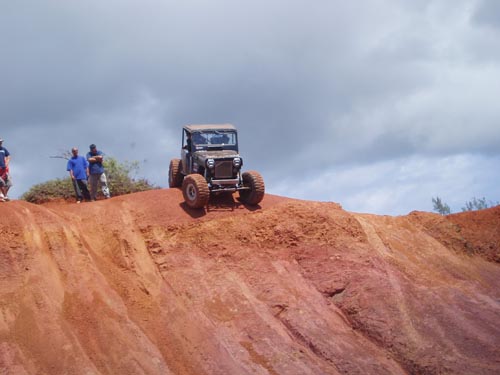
(488,13)
(315,88)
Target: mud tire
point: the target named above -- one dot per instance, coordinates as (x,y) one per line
(174,173)
(195,191)
(255,182)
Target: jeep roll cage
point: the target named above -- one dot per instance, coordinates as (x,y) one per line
(211,137)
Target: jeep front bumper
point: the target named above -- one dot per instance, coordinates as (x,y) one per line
(232,184)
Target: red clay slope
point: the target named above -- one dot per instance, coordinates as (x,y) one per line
(140,285)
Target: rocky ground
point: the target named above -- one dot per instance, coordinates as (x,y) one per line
(140,284)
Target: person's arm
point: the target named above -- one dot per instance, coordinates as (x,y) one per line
(94,159)
(86,165)
(7,160)
(70,170)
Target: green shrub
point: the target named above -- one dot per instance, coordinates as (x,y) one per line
(50,190)
(119,178)
(473,205)
(440,206)
(478,204)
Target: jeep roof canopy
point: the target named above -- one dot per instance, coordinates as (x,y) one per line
(206,127)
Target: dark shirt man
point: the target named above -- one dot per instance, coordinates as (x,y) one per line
(5,184)
(97,175)
(4,155)
(5,180)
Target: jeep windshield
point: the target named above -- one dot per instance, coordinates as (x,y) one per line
(215,140)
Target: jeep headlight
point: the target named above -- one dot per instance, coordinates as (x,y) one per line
(237,162)
(210,163)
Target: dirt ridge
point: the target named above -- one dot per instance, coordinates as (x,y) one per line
(141,284)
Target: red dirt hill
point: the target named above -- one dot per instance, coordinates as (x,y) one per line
(139,284)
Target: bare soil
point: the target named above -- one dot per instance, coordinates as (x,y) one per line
(140,284)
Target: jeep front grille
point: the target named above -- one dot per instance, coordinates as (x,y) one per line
(223,169)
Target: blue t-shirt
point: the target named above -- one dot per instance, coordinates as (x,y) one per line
(95,167)
(3,154)
(78,164)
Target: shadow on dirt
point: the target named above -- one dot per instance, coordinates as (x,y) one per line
(223,202)
(227,202)
(218,202)
(193,212)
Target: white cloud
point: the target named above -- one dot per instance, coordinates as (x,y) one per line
(400,186)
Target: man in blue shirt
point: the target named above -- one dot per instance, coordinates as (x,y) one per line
(5,184)
(4,156)
(5,180)
(78,169)
(95,158)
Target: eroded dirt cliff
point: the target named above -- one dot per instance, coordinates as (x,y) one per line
(141,285)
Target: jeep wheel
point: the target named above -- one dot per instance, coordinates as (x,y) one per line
(195,191)
(174,173)
(254,181)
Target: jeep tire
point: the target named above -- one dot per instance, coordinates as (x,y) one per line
(195,191)
(174,173)
(254,181)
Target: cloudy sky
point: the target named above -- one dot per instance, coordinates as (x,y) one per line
(378,105)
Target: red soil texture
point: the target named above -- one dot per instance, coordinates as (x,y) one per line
(141,284)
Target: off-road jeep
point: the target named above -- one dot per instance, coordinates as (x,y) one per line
(210,164)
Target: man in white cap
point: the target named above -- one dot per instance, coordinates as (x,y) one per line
(5,181)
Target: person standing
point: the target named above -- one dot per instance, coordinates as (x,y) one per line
(78,169)
(5,182)
(95,159)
